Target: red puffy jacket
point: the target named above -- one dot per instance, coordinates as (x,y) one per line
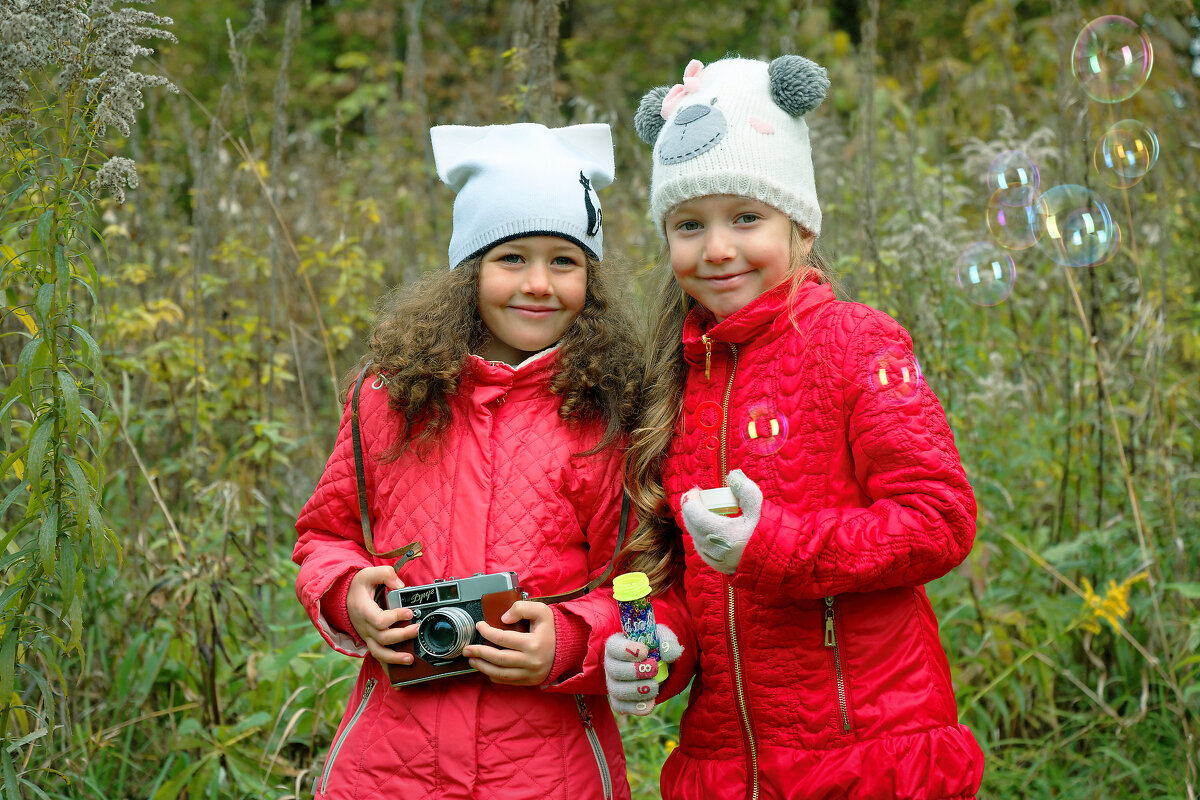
(822,675)
(504,491)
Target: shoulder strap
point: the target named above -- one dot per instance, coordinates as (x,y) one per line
(413,550)
(364,513)
(602,577)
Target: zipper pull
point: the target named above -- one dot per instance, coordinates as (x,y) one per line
(707,354)
(830,639)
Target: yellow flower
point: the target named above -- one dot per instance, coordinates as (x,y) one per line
(671,745)
(1111,608)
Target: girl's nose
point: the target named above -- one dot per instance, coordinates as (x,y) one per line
(717,246)
(537,279)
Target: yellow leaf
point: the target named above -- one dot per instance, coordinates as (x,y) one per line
(23,315)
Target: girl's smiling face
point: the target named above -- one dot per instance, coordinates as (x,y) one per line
(727,250)
(530,291)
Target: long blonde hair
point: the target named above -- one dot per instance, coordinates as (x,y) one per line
(654,547)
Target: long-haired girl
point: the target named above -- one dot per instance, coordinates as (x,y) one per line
(493,417)
(820,670)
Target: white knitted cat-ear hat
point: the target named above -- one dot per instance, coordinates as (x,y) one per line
(524,180)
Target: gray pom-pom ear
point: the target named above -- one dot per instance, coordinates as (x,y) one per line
(648,120)
(797,84)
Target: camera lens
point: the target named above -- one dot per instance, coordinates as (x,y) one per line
(445,632)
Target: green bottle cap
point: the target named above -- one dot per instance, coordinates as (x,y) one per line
(630,586)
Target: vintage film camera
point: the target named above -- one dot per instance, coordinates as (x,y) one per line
(447,611)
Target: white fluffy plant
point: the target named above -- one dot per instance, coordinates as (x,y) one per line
(67,81)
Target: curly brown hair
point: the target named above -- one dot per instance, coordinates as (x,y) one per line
(654,547)
(424,334)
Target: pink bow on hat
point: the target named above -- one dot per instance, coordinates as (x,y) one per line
(691,82)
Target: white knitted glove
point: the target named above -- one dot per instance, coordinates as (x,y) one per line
(720,540)
(630,675)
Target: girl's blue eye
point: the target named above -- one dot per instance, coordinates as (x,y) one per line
(747,218)
(511,258)
(688,225)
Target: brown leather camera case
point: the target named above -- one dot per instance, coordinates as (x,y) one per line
(494,605)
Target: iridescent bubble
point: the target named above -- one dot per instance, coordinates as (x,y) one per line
(763,429)
(1074,226)
(894,375)
(985,273)
(1013,179)
(1126,152)
(1112,59)
(1010,226)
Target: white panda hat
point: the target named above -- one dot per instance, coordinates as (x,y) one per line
(735,127)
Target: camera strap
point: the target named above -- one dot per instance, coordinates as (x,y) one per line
(413,550)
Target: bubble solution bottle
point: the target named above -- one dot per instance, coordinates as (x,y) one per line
(632,593)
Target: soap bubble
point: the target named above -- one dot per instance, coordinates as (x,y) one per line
(894,375)
(1126,152)
(985,272)
(1013,179)
(764,429)
(1074,226)
(1112,59)
(1010,226)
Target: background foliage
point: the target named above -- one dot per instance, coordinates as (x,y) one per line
(290,184)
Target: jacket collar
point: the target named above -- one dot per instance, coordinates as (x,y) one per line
(763,318)
(487,380)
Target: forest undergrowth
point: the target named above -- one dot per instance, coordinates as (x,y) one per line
(187,274)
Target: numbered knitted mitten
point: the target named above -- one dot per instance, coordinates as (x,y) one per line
(630,675)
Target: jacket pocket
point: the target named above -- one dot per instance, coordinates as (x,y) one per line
(341,739)
(597,750)
(840,696)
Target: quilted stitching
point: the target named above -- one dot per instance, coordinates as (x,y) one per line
(863,499)
(502,492)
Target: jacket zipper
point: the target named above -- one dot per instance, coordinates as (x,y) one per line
(333,753)
(597,750)
(707,354)
(831,641)
(739,683)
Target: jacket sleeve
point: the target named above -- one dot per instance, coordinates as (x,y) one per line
(594,616)
(329,537)
(921,521)
(670,609)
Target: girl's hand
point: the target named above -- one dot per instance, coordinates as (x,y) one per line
(527,657)
(630,675)
(720,540)
(373,623)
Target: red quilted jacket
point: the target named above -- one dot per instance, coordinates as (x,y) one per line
(822,675)
(503,492)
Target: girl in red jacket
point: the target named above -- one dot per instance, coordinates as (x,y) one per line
(820,672)
(492,418)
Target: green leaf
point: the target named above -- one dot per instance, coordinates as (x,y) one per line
(1189,590)
(70,396)
(8,667)
(39,442)
(48,538)
(11,788)
(93,350)
(25,361)
(75,612)
(62,267)
(42,231)
(68,574)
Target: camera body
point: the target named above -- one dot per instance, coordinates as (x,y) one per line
(447,611)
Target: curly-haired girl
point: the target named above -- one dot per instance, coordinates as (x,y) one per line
(493,417)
